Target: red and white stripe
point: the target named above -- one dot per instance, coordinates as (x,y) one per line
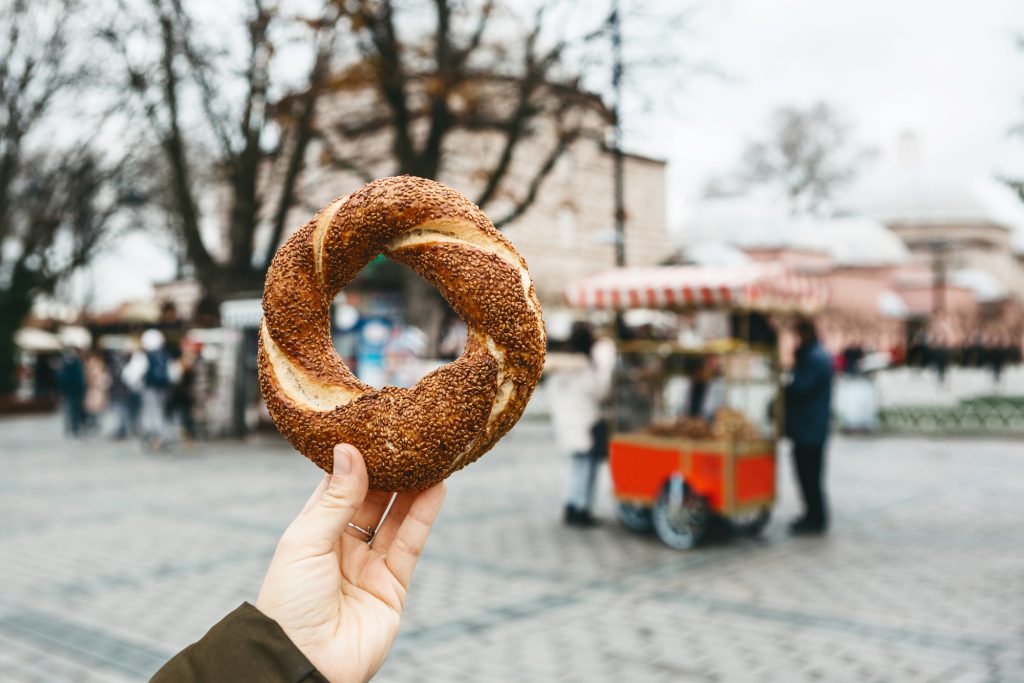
(757,286)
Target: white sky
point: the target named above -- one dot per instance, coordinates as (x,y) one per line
(947,70)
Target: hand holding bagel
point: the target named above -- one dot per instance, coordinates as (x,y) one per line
(336,597)
(410,438)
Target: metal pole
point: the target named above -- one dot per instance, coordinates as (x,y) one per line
(939,278)
(620,205)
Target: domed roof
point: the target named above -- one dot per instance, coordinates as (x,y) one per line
(908,185)
(985,287)
(762,220)
(921,198)
(860,241)
(716,254)
(757,219)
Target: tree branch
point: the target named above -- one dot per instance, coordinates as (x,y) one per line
(476,38)
(216,117)
(345,163)
(174,146)
(244,167)
(516,124)
(392,82)
(563,143)
(429,159)
(304,134)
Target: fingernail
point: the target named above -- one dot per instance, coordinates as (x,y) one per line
(342,459)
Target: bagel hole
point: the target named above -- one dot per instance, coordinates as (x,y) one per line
(392,327)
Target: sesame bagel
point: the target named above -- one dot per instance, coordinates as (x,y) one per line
(411,438)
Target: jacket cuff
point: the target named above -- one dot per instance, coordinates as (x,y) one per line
(246,645)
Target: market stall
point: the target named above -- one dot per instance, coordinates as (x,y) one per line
(694,409)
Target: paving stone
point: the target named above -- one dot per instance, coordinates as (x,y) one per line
(122,559)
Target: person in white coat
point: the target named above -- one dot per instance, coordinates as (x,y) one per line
(151,372)
(578,383)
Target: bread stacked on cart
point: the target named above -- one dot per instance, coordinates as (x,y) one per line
(727,422)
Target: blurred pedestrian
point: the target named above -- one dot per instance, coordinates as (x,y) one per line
(181,399)
(917,352)
(808,413)
(454,340)
(999,352)
(577,387)
(44,377)
(852,357)
(940,343)
(97,388)
(150,370)
(707,389)
(71,383)
(124,397)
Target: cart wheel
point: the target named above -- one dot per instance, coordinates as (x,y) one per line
(635,517)
(752,523)
(680,516)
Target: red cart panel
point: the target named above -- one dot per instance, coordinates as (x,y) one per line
(755,478)
(639,471)
(731,475)
(704,475)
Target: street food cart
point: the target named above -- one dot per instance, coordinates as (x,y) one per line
(678,468)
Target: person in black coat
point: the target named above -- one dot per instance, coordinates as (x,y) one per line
(808,415)
(331,601)
(71,381)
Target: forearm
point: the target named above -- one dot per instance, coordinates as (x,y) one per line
(246,645)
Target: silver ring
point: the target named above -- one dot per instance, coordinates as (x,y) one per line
(367,533)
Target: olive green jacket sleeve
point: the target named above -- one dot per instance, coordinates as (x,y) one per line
(246,645)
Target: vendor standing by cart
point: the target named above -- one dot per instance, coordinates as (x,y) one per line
(808,412)
(578,385)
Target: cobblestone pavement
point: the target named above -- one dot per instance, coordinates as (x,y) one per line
(110,561)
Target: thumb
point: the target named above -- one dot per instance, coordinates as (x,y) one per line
(325,519)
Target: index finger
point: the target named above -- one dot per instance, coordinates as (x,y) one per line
(405,549)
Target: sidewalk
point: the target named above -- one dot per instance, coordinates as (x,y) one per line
(111,561)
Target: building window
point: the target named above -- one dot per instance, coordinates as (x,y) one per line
(566,227)
(564,165)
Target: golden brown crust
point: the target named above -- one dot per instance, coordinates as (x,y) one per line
(410,438)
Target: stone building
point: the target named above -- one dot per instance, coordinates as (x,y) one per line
(883,276)
(965,234)
(953,221)
(568,230)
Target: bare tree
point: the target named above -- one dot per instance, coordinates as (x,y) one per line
(808,154)
(1016,183)
(470,92)
(210,136)
(480,90)
(402,77)
(57,201)
(474,68)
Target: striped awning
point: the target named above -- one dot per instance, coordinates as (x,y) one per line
(752,286)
